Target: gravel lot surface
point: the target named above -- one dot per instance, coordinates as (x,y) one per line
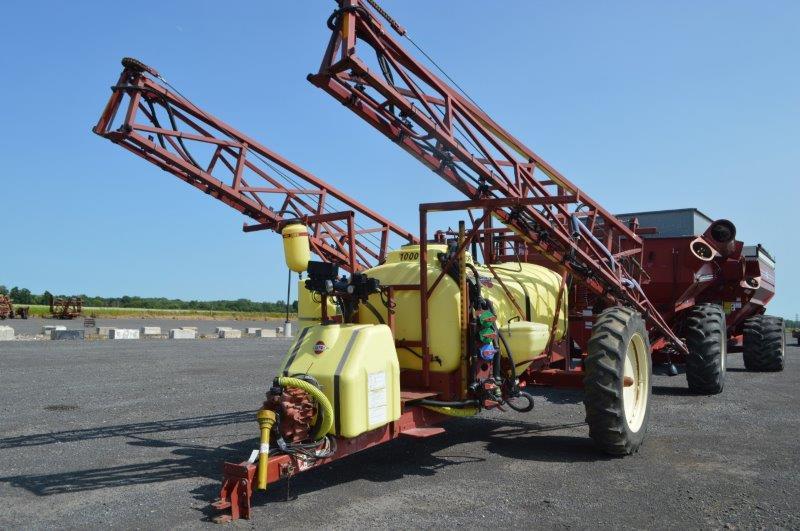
(132,434)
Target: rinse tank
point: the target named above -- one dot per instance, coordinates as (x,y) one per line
(533,287)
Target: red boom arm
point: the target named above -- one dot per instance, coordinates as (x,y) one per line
(166,129)
(449,133)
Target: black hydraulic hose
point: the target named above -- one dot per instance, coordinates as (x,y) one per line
(179,138)
(497,372)
(527,396)
(157,124)
(509,353)
(477,278)
(444,403)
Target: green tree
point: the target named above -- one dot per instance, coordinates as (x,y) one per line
(3,290)
(23,296)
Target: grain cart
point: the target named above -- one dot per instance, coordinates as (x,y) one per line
(706,283)
(419,334)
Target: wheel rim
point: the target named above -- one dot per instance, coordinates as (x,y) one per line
(723,362)
(636,383)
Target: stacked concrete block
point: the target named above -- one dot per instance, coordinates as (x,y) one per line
(219,329)
(252,331)
(182,333)
(267,332)
(48,329)
(150,331)
(6,333)
(104,331)
(123,333)
(62,335)
(230,333)
(279,330)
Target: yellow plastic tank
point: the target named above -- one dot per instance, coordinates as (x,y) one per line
(534,290)
(356,366)
(296,249)
(526,340)
(309,307)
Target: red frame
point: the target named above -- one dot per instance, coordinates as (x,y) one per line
(241,172)
(469,150)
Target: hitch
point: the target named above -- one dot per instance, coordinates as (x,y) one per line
(236,492)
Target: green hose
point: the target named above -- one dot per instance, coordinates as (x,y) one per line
(454,411)
(326,410)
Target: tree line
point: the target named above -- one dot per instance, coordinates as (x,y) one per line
(24,296)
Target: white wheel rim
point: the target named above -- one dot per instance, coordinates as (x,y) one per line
(635,383)
(723,362)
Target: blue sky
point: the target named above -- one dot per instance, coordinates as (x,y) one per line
(645,105)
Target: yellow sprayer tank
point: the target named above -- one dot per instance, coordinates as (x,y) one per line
(309,307)
(526,321)
(357,369)
(296,248)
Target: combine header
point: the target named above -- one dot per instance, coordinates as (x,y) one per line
(426,331)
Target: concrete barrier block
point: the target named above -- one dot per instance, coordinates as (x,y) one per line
(6,333)
(219,329)
(279,330)
(230,333)
(47,329)
(252,331)
(267,332)
(150,330)
(104,331)
(182,333)
(287,330)
(61,335)
(123,333)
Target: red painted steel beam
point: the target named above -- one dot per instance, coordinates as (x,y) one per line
(150,119)
(239,478)
(445,130)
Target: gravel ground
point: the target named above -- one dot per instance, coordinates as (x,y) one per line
(33,326)
(132,434)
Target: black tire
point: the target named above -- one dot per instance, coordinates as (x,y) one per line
(707,341)
(610,427)
(764,343)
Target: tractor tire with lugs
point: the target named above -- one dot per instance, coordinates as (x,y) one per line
(707,341)
(764,343)
(617,384)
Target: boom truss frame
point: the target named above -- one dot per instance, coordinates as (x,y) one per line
(158,124)
(445,130)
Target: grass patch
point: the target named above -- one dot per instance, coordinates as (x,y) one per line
(41,310)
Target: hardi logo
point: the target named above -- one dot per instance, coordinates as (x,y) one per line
(319,347)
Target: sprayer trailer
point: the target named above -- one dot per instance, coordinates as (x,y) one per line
(410,337)
(539,285)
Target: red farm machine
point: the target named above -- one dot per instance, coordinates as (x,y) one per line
(427,331)
(64,307)
(694,265)
(7,310)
